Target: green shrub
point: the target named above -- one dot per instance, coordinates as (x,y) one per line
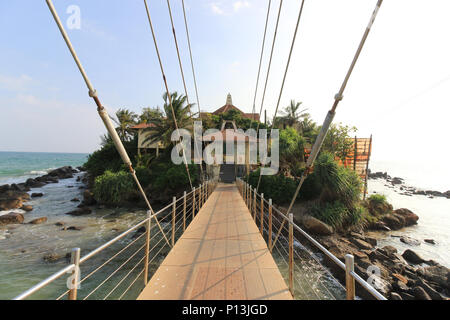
(107,158)
(337,182)
(377,199)
(170,178)
(114,188)
(332,213)
(144,176)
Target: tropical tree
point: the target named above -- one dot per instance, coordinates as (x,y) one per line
(125,120)
(163,127)
(308,127)
(149,114)
(292,114)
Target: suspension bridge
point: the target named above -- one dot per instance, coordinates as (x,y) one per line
(218,241)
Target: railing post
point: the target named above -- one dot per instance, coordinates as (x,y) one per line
(174,209)
(147,246)
(291,253)
(249,198)
(262,214)
(270,225)
(75,277)
(349,280)
(184,211)
(254,204)
(193,203)
(200,197)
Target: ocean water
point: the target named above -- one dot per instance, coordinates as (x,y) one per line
(16,167)
(434,214)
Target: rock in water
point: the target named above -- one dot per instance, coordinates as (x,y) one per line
(410,241)
(412,257)
(37,195)
(431,241)
(27,208)
(11,218)
(80,212)
(39,220)
(316,226)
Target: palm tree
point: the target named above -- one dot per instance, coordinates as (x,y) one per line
(163,127)
(308,127)
(292,114)
(149,114)
(125,120)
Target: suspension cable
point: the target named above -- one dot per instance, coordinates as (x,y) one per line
(167,89)
(284,80)
(184,81)
(270,61)
(261,59)
(330,116)
(101,110)
(192,60)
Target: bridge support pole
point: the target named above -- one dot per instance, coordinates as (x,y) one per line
(174,209)
(184,211)
(75,275)
(147,246)
(291,253)
(193,203)
(349,280)
(262,214)
(270,225)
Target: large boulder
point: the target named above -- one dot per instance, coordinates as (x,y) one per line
(420,294)
(409,217)
(62,173)
(4,188)
(438,274)
(315,226)
(412,257)
(9,204)
(410,241)
(11,218)
(394,222)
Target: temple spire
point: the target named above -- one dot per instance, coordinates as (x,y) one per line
(229,100)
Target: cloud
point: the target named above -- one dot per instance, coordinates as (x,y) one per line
(14,83)
(217,8)
(238,5)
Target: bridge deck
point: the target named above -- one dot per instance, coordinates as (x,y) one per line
(221,256)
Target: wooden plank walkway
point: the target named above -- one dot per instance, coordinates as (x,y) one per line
(221,256)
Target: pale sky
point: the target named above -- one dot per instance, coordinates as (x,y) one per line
(398,91)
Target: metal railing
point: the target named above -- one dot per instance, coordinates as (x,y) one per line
(304,272)
(145,249)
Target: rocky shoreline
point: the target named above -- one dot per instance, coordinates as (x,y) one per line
(16,196)
(397,182)
(397,275)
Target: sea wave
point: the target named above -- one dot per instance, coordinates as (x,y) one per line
(39,172)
